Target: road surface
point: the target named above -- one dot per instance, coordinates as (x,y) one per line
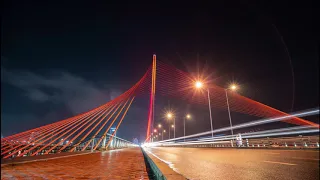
(215,163)
(116,164)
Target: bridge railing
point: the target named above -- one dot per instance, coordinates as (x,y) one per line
(116,143)
(298,142)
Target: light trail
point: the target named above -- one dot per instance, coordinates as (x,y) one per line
(254,123)
(226,138)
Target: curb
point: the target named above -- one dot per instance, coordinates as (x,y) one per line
(161,170)
(154,168)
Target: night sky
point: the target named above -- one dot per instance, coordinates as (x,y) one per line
(60,59)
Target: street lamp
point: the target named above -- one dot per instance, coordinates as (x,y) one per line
(163,133)
(199,85)
(169,116)
(159,125)
(188,116)
(151,137)
(233,87)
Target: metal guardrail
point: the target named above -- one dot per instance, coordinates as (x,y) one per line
(116,143)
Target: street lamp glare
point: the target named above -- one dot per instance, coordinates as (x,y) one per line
(188,116)
(164,130)
(233,87)
(155,130)
(159,125)
(198,84)
(169,115)
(172,126)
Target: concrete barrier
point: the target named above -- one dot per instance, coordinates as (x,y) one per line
(161,170)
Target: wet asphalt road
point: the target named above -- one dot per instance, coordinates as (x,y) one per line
(255,164)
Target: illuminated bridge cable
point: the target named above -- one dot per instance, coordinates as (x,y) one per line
(58,131)
(24,141)
(125,95)
(91,120)
(53,130)
(35,129)
(39,133)
(124,114)
(174,82)
(82,123)
(105,122)
(22,136)
(75,137)
(132,90)
(38,139)
(104,134)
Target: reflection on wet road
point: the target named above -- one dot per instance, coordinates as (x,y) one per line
(215,163)
(116,164)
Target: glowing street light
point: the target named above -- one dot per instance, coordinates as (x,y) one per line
(159,125)
(233,87)
(172,126)
(155,130)
(163,133)
(199,85)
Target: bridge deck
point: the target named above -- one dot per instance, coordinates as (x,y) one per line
(115,164)
(227,163)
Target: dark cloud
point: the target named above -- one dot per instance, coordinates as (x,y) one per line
(77,93)
(49,94)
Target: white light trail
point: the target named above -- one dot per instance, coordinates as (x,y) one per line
(254,123)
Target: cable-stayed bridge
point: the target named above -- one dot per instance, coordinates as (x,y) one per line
(93,133)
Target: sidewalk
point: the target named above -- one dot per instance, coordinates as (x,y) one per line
(116,164)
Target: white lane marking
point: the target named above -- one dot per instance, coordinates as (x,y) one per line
(306,158)
(274,162)
(271,153)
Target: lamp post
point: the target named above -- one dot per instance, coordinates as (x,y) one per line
(163,133)
(184,125)
(151,137)
(155,132)
(174,130)
(199,85)
(233,87)
(169,116)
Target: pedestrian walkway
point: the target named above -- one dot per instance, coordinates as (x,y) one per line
(115,164)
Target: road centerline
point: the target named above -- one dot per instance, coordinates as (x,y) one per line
(283,163)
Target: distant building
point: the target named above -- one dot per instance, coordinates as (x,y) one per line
(135,141)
